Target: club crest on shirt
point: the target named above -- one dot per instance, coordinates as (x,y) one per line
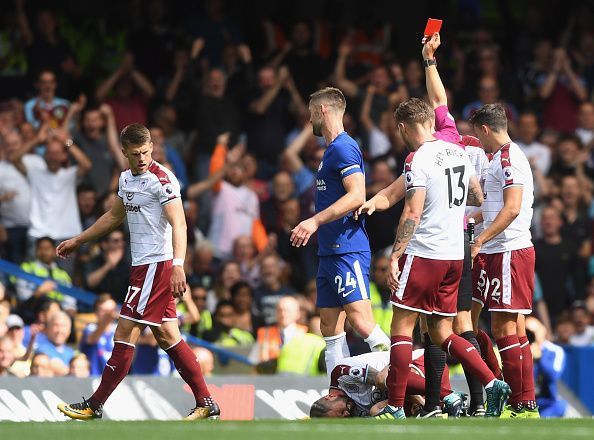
(143,184)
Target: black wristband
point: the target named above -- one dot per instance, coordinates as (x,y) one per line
(430,62)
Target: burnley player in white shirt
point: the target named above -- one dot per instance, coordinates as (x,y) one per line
(149,196)
(504,263)
(427,258)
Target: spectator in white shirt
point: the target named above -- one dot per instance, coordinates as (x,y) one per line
(235,210)
(54,208)
(536,152)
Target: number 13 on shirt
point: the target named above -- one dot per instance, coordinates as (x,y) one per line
(453,174)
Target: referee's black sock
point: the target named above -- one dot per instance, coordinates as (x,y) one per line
(474,385)
(435,360)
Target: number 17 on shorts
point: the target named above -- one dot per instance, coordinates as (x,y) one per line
(343,279)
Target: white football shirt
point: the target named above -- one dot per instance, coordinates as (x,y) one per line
(443,170)
(144,196)
(508,168)
(351,373)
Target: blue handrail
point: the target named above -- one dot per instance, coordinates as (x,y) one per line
(89,298)
(79,294)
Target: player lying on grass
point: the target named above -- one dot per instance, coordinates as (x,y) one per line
(358,388)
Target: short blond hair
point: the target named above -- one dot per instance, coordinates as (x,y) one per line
(330,96)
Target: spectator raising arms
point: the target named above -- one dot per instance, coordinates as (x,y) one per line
(236,210)
(98,139)
(270,107)
(561,89)
(133,91)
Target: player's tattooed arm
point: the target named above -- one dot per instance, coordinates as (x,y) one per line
(411,216)
(475,192)
(408,224)
(406,229)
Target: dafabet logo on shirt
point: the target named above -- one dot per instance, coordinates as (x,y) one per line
(132,208)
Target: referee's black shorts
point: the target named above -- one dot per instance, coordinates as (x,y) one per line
(465,289)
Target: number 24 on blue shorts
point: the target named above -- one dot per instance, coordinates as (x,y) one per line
(343,279)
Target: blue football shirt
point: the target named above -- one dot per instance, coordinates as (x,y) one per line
(341,159)
(63,352)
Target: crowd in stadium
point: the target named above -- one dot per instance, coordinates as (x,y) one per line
(225,100)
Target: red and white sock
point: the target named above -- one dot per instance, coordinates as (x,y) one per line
(115,371)
(469,357)
(400,360)
(511,357)
(189,369)
(528,393)
(488,353)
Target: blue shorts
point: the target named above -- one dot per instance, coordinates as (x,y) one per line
(343,279)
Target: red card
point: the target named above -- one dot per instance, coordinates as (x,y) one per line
(433,25)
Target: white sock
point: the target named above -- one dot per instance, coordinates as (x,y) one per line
(490,384)
(336,349)
(345,347)
(378,339)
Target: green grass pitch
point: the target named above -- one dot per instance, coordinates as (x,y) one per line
(460,429)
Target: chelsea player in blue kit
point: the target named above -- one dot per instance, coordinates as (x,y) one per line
(343,273)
